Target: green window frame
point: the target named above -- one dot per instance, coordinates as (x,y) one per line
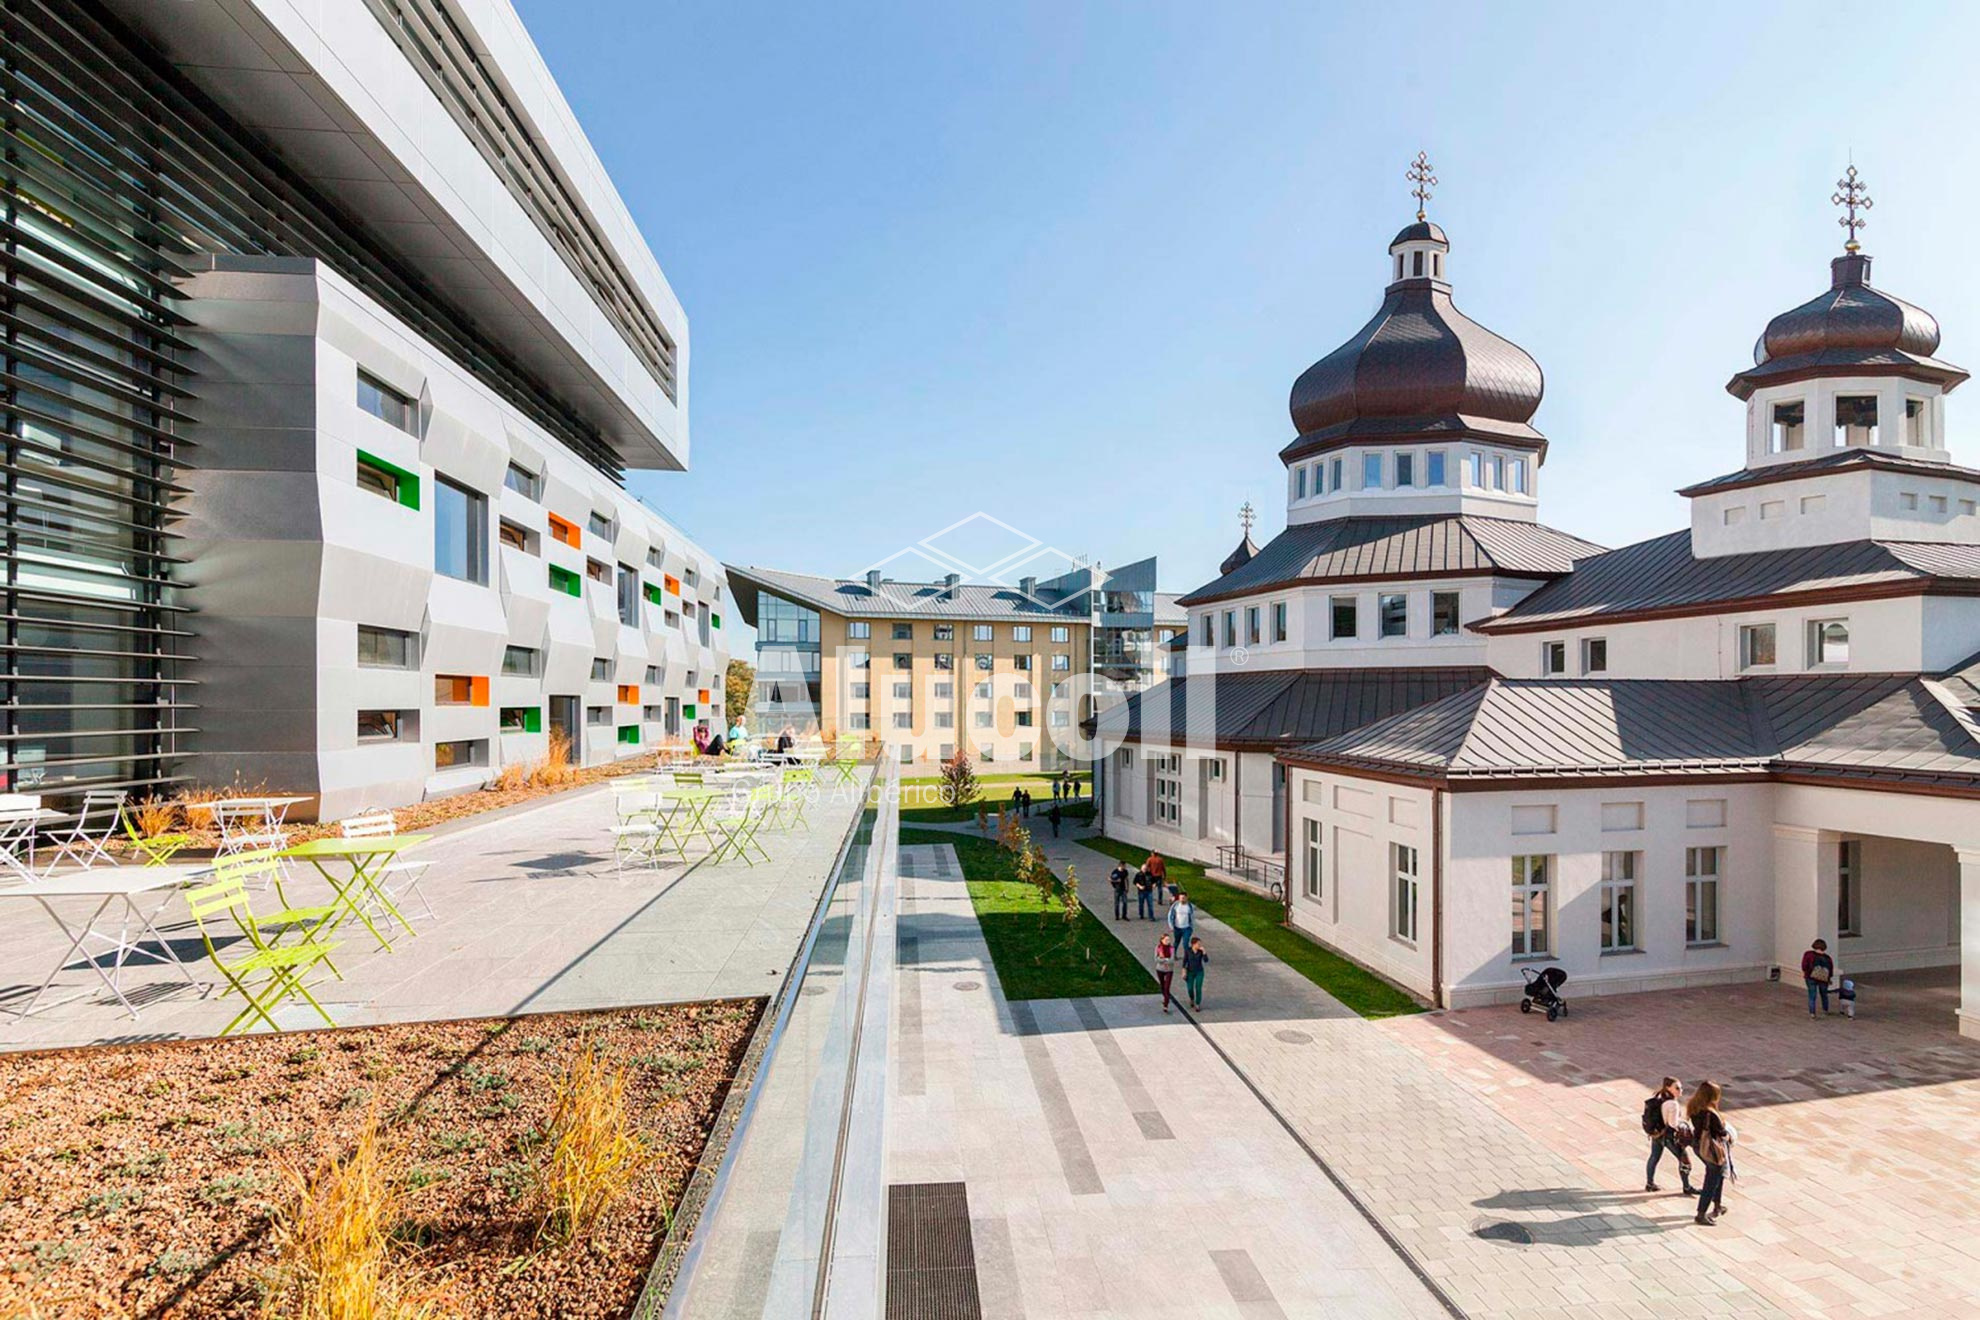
(654,596)
(629,735)
(687,712)
(564,580)
(407,483)
(527,719)
(716,619)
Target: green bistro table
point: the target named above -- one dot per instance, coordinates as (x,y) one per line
(366,859)
(685,814)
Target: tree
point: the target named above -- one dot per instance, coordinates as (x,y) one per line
(738,685)
(959,787)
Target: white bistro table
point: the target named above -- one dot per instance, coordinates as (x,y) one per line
(142,891)
(19,827)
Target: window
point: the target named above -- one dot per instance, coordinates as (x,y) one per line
(1230,627)
(1702,867)
(1498,472)
(858,719)
(1341,616)
(1517,470)
(1849,887)
(1553,658)
(1594,655)
(1061,663)
(1319,478)
(465,751)
(903,660)
(945,691)
(903,719)
(628,596)
(522,660)
(1023,718)
(983,719)
(1828,642)
(378,725)
(903,632)
(1310,873)
(1371,472)
(1756,645)
(1299,483)
(597,570)
(1416,265)
(1618,933)
(945,719)
(1252,633)
(945,632)
(599,525)
(601,716)
(1209,630)
(1168,789)
(858,660)
(601,669)
(514,536)
(384,648)
(1433,468)
(858,630)
(980,632)
(564,580)
(565,532)
(946,660)
(1279,621)
(904,692)
(1336,471)
(861,691)
(374,474)
(1790,430)
(522,719)
(1856,419)
(1530,877)
(1916,415)
(1475,462)
(1405,470)
(1402,905)
(460,532)
(983,661)
(525,483)
(453,690)
(986,752)
(1021,633)
(386,403)
(1061,633)
(1393,611)
(1443,613)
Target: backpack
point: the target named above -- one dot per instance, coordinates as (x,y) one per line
(1653,1116)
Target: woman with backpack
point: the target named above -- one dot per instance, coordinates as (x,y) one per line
(1714,1139)
(1165,967)
(1664,1123)
(1817,970)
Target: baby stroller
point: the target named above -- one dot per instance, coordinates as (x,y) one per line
(1543,990)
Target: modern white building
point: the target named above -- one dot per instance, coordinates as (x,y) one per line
(1675,763)
(345,342)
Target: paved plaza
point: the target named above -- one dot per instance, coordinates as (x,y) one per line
(533,916)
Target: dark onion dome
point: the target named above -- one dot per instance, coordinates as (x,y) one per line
(1239,557)
(1419,370)
(1851,330)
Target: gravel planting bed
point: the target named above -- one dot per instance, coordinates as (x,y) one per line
(146,1180)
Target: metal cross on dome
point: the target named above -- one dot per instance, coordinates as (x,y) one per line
(1852,196)
(1420,175)
(1247,515)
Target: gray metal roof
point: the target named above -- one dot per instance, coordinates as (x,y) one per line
(932,600)
(1849,329)
(1425,545)
(1281,707)
(1907,728)
(1836,460)
(1662,576)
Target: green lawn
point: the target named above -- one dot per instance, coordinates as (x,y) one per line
(1034,955)
(921,801)
(1261,921)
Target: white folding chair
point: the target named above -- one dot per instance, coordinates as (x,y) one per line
(87,841)
(406,871)
(17,830)
(246,827)
(22,812)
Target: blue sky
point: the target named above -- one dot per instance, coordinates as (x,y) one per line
(1061,263)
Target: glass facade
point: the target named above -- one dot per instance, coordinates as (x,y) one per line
(787,667)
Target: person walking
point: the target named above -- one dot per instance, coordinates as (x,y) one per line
(1055,816)
(1182,919)
(1664,1123)
(1714,1139)
(1817,970)
(1144,891)
(1194,961)
(1118,878)
(1158,871)
(1165,967)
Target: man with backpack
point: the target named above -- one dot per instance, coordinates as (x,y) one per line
(1664,1124)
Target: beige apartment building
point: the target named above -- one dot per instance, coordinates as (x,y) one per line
(924,668)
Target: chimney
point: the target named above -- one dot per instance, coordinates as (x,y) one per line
(873,579)
(1028,586)
(950,583)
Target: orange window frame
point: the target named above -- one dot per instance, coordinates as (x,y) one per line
(564,530)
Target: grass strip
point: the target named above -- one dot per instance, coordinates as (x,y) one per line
(1260,920)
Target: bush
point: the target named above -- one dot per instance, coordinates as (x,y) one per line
(959,786)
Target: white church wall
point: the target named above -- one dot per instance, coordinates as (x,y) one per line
(1909,909)
(1310,643)
(1952,631)
(1352,908)
(1835,508)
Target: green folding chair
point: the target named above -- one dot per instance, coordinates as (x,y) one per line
(738,827)
(796,790)
(266,977)
(158,849)
(691,778)
(311,922)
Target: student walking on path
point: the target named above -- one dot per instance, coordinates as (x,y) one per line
(1182,919)
(1194,961)
(1165,967)
(1664,1123)
(1055,818)
(1118,878)
(1715,1143)
(1817,970)
(1158,871)
(1144,891)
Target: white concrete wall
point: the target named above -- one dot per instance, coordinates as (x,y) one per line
(1355,498)
(1910,908)
(1359,821)
(1310,645)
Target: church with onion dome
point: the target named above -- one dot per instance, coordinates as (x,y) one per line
(1467,745)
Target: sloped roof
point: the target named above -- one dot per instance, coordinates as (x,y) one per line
(894,599)
(1266,709)
(1902,728)
(1427,545)
(1662,576)
(1836,460)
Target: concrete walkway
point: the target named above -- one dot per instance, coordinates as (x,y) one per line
(1505,1224)
(1114,1167)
